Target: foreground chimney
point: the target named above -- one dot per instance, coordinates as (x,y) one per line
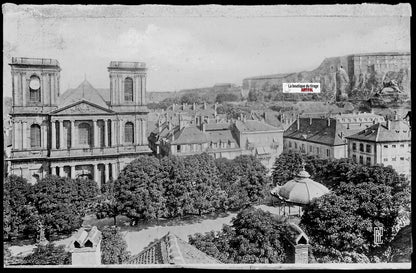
(298,245)
(86,247)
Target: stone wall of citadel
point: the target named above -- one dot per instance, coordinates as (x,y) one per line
(354,65)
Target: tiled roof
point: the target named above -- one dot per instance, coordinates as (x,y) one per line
(84,91)
(217,126)
(319,131)
(170,249)
(399,131)
(217,136)
(253,126)
(189,135)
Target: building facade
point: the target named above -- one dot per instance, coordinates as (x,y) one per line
(218,137)
(326,137)
(78,133)
(387,143)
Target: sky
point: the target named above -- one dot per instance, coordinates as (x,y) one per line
(183,51)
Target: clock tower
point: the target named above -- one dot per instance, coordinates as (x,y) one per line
(35,90)
(35,84)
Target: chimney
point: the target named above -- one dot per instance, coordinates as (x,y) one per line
(299,245)
(86,247)
(310,120)
(396,117)
(388,123)
(205,105)
(159,125)
(194,106)
(298,122)
(181,122)
(203,127)
(169,125)
(173,106)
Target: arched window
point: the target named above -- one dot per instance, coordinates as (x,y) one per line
(84,134)
(128,89)
(34,89)
(35,136)
(129,132)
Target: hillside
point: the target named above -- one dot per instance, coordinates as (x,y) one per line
(366,74)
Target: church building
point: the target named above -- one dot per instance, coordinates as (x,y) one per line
(77,134)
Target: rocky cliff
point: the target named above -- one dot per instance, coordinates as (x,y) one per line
(364,75)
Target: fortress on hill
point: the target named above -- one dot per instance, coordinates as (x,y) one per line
(365,71)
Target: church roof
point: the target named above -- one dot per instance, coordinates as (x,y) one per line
(84,91)
(170,249)
(300,190)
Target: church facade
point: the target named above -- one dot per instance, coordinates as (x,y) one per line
(76,134)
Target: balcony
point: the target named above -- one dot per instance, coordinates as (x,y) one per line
(34,61)
(29,153)
(100,151)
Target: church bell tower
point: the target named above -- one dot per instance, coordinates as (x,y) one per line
(127,85)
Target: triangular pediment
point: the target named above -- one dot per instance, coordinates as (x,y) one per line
(82,108)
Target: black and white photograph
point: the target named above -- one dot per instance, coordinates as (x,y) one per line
(207,136)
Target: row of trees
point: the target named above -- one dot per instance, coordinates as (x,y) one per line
(58,203)
(341,224)
(151,188)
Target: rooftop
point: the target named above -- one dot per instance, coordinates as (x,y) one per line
(391,130)
(327,131)
(189,135)
(300,190)
(254,126)
(84,91)
(170,249)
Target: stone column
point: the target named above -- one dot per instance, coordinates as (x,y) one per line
(120,136)
(24,135)
(53,170)
(73,171)
(113,133)
(72,135)
(95,143)
(45,90)
(53,128)
(113,170)
(144,129)
(107,172)
(96,178)
(24,84)
(135,134)
(144,91)
(105,133)
(60,171)
(61,135)
(13,134)
(45,136)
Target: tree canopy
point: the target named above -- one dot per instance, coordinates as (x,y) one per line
(17,212)
(255,236)
(113,246)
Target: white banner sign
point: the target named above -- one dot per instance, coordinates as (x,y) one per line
(301,87)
